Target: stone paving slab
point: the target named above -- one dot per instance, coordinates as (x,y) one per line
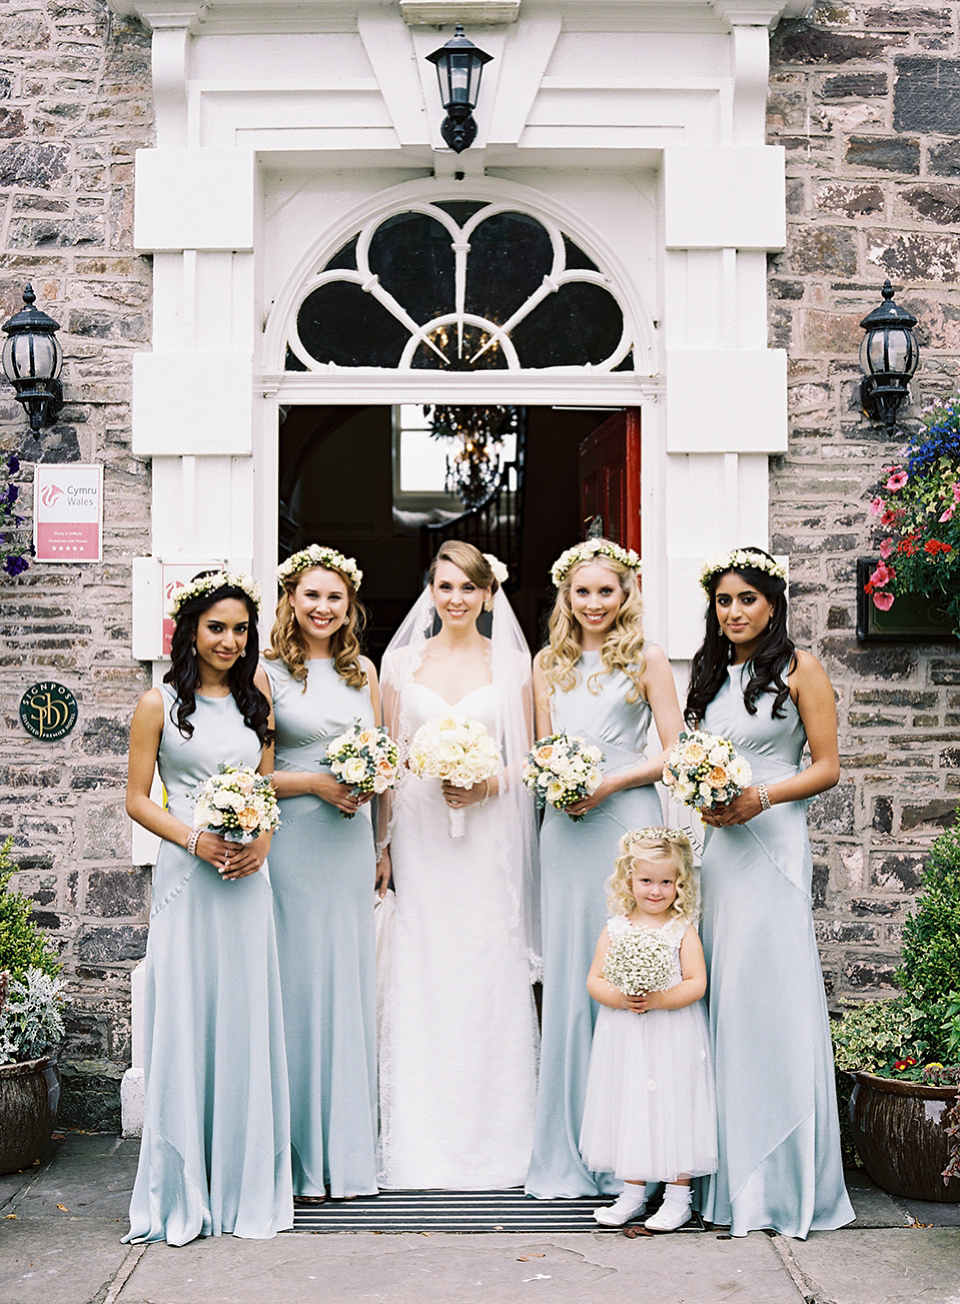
(447,1269)
(71,1262)
(920,1265)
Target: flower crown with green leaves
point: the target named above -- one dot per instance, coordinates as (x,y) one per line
(316,555)
(590,550)
(740,559)
(209,584)
(655,835)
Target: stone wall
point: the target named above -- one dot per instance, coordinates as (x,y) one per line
(866,101)
(75,103)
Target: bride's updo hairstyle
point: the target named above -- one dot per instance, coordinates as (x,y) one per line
(623,646)
(470,560)
(287,643)
(660,847)
(184,674)
(774,658)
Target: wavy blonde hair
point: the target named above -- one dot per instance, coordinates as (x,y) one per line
(622,648)
(674,850)
(287,643)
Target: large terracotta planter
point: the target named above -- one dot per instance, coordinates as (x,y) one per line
(898,1134)
(29,1100)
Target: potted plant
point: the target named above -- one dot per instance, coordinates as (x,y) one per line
(919,504)
(31,1027)
(903,1053)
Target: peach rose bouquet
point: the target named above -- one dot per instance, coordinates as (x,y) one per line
(562,769)
(366,758)
(237,804)
(705,771)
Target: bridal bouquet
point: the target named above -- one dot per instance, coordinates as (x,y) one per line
(705,771)
(640,959)
(458,750)
(562,769)
(237,804)
(365,758)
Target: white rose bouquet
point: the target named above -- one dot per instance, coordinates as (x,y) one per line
(365,758)
(640,959)
(705,771)
(458,750)
(237,804)
(562,769)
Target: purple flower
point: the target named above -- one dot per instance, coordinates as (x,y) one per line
(13,493)
(13,464)
(14,565)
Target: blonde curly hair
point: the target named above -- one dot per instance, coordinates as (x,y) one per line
(659,846)
(622,648)
(287,643)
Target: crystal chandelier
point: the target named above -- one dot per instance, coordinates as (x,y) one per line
(474,458)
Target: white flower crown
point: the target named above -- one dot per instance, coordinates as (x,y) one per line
(589,550)
(316,555)
(209,584)
(655,835)
(737,560)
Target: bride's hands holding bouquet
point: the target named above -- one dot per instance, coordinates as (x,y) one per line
(459,797)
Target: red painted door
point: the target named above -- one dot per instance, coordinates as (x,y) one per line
(610,478)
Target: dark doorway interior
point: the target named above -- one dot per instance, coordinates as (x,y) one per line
(337,487)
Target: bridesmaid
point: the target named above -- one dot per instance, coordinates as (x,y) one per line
(780,1164)
(596,679)
(323,868)
(215,1154)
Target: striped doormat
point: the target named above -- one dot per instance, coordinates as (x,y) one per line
(455,1211)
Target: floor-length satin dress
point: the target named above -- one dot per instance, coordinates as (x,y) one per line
(576,859)
(780,1164)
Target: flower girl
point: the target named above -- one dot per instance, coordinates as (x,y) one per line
(650,1114)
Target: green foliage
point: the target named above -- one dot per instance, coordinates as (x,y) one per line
(899,1037)
(23,944)
(31,1024)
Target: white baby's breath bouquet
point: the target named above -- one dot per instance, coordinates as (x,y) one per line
(705,771)
(366,758)
(562,769)
(237,804)
(640,959)
(458,750)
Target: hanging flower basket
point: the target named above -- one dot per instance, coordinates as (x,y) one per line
(919,504)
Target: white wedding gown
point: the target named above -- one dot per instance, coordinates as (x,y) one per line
(458,1045)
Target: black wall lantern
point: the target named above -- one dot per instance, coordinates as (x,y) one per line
(459,68)
(32,359)
(888,359)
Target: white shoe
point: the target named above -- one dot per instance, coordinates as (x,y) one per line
(625,1207)
(671,1215)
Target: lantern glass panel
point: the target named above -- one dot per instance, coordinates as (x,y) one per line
(889,350)
(30,356)
(461,64)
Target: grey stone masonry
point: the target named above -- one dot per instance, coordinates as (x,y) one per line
(866,101)
(75,103)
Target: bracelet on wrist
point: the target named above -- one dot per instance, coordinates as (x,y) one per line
(486,792)
(192,841)
(765,802)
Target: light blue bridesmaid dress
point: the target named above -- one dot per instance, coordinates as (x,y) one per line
(215,1154)
(323,868)
(576,859)
(780,1163)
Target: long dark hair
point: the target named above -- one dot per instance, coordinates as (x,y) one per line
(773,659)
(184,675)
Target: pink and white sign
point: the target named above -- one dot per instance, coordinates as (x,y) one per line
(68,512)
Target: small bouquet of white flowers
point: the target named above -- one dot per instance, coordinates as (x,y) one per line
(562,769)
(640,959)
(237,804)
(458,750)
(705,771)
(365,758)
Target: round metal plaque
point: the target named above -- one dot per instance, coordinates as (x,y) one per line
(48,711)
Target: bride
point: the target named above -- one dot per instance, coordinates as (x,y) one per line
(458,1039)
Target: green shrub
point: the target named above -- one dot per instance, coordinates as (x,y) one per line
(873,1034)
(23,945)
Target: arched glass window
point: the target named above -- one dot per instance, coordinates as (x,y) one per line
(460,286)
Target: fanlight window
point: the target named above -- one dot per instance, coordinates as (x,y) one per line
(460,286)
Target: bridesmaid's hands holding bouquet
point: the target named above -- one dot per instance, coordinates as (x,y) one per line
(339,794)
(233,859)
(739,811)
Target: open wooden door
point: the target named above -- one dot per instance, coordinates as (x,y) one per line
(610,478)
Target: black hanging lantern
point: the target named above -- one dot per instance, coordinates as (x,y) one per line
(32,359)
(888,358)
(459,68)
